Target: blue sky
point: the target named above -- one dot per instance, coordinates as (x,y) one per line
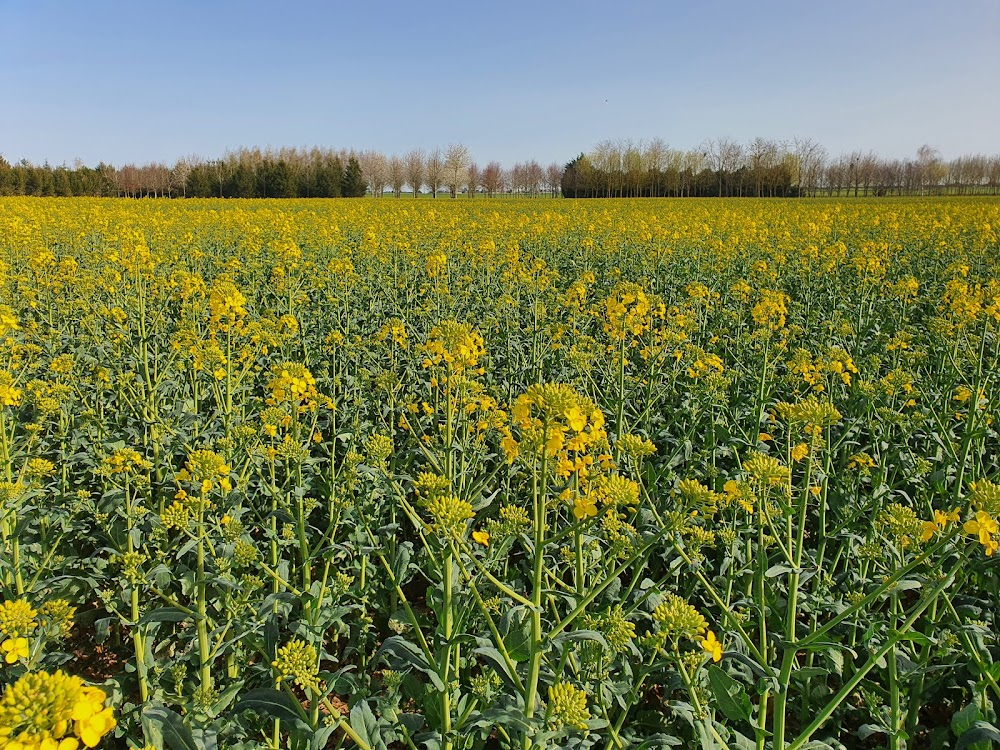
(512,80)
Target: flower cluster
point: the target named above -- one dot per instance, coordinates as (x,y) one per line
(939,523)
(450,514)
(297,662)
(291,383)
(770,311)
(455,347)
(125,461)
(628,311)
(812,413)
(378,448)
(636,447)
(9,395)
(43,711)
(901,524)
(567,706)
(17,618)
(765,471)
(553,421)
(206,469)
(8,320)
(511,520)
(677,619)
(814,370)
(226,304)
(985,499)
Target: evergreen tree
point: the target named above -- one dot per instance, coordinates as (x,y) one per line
(353,183)
(243,182)
(329,179)
(200,182)
(6,177)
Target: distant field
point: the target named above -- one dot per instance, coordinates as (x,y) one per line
(491,474)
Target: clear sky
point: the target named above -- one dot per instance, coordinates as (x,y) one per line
(513,80)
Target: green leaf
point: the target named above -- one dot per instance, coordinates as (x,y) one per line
(495,659)
(777,570)
(165,614)
(913,636)
(517,636)
(905,584)
(171,727)
(867,730)
(365,723)
(207,738)
(981,736)
(322,737)
(227,697)
(411,654)
(273,703)
(730,696)
(808,673)
(962,721)
(581,635)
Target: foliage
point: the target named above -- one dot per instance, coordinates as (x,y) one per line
(612,474)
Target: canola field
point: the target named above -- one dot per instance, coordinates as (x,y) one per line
(478,474)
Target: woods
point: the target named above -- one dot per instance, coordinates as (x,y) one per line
(721,167)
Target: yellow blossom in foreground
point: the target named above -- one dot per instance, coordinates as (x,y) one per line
(56,711)
(712,645)
(986,528)
(9,395)
(940,522)
(584,506)
(14,649)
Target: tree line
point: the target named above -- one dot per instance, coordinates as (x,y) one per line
(289,173)
(623,168)
(765,168)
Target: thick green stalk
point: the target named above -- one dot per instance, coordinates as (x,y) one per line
(449,624)
(534,665)
(204,646)
(851,685)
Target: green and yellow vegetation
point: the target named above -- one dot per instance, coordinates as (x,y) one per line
(469,474)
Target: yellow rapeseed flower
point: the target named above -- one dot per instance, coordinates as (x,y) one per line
(711,644)
(43,711)
(14,649)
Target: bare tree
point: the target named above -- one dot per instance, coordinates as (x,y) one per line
(694,163)
(375,169)
(397,175)
(867,171)
(632,167)
(514,179)
(724,158)
(415,170)
(810,158)
(930,168)
(492,178)
(456,167)
(762,156)
(128,180)
(654,156)
(553,178)
(607,159)
(434,171)
(993,174)
(473,178)
(533,177)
